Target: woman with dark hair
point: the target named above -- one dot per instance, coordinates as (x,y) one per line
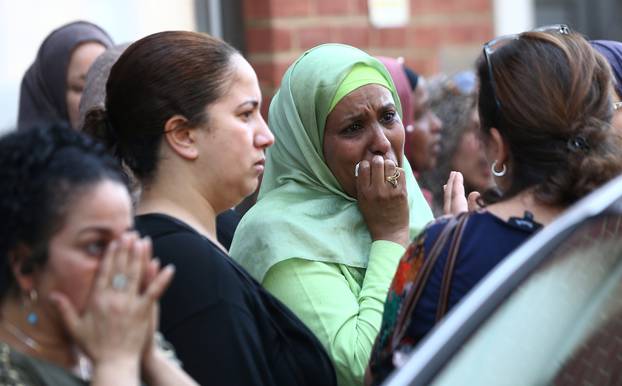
(423,129)
(454,100)
(612,51)
(78,288)
(550,142)
(52,86)
(338,202)
(183,113)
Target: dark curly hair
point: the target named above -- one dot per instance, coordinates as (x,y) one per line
(554,115)
(43,171)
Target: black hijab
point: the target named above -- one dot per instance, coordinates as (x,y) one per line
(44,86)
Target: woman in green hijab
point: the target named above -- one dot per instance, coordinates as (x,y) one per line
(324,239)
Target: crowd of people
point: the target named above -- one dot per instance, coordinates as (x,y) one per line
(336,273)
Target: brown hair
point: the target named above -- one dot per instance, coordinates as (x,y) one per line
(555,113)
(157,77)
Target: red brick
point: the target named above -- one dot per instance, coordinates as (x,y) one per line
(279,69)
(258,39)
(265,73)
(389,37)
(286,8)
(333,7)
(441,6)
(354,36)
(270,73)
(267,39)
(256,9)
(474,33)
(424,37)
(313,36)
(480,5)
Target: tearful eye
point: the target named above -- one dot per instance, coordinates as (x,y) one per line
(352,129)
(389,116)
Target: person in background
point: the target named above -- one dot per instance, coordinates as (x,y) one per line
(94,90)
(612,51)
(52,86)
(454,101)
(78,287)
(338,201)
(561,115)
(423,137)
(396,69)
(183,113)
(94,96)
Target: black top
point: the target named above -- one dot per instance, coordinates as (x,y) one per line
(227,329)
(226,224)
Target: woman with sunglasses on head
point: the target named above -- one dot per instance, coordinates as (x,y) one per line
(78,288)
(545,112)
(183,113)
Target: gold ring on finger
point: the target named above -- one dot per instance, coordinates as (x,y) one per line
(393,179)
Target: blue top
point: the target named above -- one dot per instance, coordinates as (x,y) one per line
(486,240)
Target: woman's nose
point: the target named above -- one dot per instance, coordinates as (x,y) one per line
(263,136)
(436,125)
(379,143)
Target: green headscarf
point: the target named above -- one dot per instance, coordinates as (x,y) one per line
(302,212)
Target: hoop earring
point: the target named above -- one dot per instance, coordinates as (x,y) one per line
(501,173)
(32,318)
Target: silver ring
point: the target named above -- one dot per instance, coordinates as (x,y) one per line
(119,282)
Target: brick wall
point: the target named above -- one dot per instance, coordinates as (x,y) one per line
(442,35)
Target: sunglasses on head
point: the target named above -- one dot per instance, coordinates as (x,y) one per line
(496,43)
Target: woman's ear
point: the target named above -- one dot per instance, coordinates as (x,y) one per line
(181,137)
(21,269)
(498,147)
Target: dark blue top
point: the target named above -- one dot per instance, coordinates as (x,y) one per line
(486,240)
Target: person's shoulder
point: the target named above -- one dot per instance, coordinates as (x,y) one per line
(17,368)
(11,373)
(174,239)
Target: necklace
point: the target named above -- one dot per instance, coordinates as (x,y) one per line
(83,368)
(21,336)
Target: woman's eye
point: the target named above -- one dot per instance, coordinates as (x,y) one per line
(77,88)
(352,129)
(95,248)
(246,114)
(388,116)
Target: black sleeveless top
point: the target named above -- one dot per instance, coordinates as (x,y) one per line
(225,327)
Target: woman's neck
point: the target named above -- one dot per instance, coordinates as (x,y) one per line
(186,204)
(525,201)
(45,340)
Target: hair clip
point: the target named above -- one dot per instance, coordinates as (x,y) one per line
(578,142)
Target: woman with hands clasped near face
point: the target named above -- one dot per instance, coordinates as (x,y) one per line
(549,143)
(338,201)
(79,289)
